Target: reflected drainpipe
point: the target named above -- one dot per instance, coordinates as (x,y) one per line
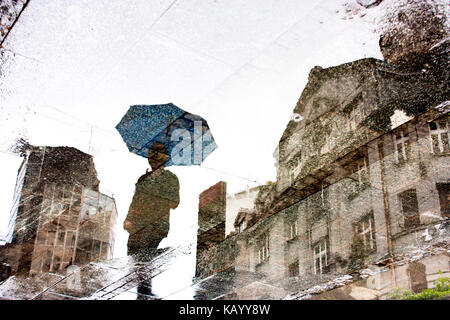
(386,214)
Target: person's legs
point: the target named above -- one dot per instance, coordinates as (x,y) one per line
(153,234)
(144,290)
(144,247)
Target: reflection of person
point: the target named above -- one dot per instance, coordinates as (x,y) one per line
(147,222)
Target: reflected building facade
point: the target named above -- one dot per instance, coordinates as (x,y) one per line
(59,217)
(363,181)
(238,206)
(211,227)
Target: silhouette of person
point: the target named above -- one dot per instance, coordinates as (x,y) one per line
(147,221)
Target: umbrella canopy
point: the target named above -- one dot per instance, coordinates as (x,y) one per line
(185,136)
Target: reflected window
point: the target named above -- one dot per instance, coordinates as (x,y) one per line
(97,249)
(104,251)
(293,269)
(410,208)
(320,256)
(47,260)
(56,263)
(439,136)
(366,232)
(68,242)
(401,141)
(242,225)
(263,250)
(444,198)
(362,171)
(293,230)
(61,237)
(417,277)
(361,174)
(51,237)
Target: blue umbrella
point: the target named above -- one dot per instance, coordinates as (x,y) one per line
(186,136)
